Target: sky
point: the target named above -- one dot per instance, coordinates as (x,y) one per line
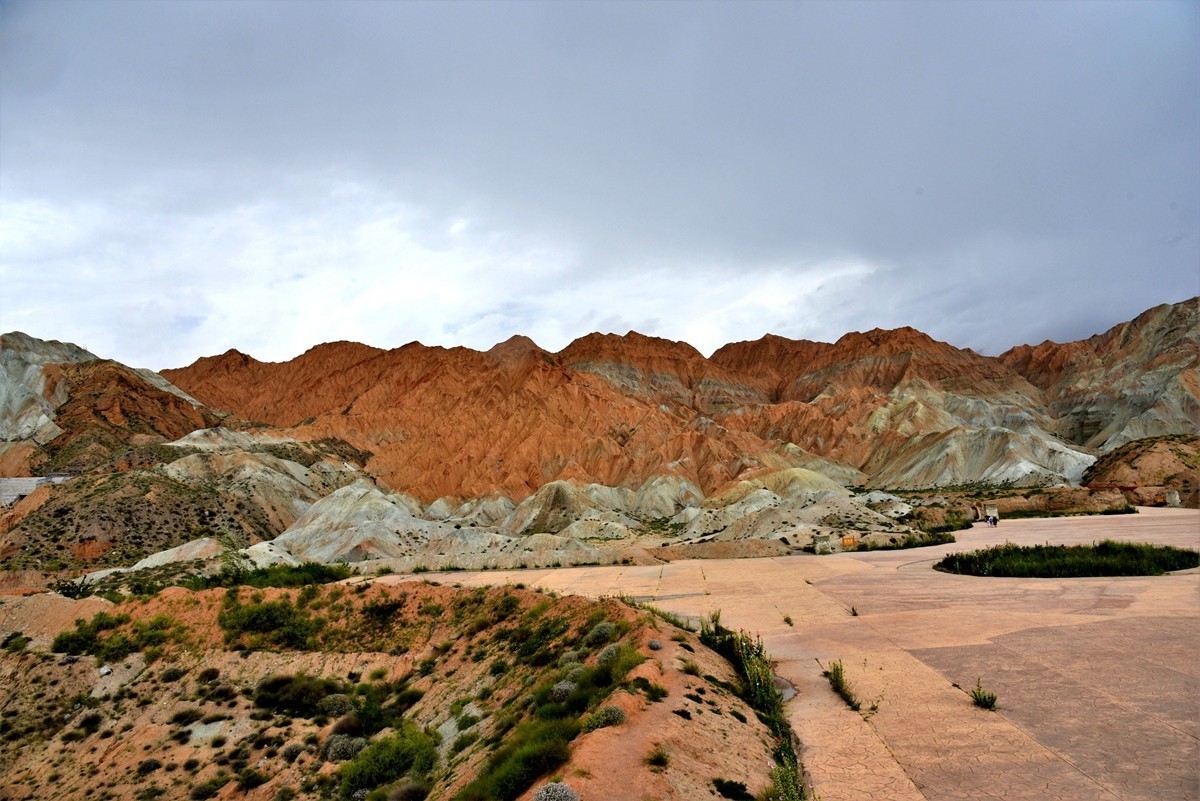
(178,179)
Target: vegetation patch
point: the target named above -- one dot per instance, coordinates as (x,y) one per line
(836,674)
(1106,558)
(984,699)
(749,659)
(938,537)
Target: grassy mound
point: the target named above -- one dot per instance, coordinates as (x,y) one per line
(1107,558)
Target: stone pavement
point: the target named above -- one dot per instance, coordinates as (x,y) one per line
(1098,679)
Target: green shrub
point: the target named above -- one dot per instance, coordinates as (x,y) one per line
(298,695)
(600,634)
(984,699)
(532,750)
(603,717)
(938,535)
(308,573)
(210,788)
(278,622)
(342,747)
(1106,558)
(249,778)
(85,638)
(186,716)
(408,751)
(749,659)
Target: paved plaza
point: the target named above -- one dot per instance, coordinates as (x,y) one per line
(1098,679)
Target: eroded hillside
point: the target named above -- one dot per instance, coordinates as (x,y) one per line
(337,691)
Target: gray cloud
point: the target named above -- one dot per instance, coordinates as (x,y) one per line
(992,173)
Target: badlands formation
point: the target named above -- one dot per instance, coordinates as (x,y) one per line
(616,449)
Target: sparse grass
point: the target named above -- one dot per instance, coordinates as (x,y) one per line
(1107,558)
(658,758)
(836,673)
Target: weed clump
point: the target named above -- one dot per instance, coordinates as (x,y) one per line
(836,673)
(984,699)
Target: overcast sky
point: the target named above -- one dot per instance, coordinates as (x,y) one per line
(177,179)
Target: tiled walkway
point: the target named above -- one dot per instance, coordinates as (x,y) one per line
(1098,679)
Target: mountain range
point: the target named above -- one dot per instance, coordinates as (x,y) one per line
(882,408)
(354,452)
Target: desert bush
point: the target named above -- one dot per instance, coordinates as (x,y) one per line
(569,658)
(147,766)
(172,674)
(210,788)
(296,695)
(274,576)
(85,638)
(654,692)
(291,752)
(658,757)
(608,655)
(335,704)
(342,747)
(276,622)
(408,751)
(562,690)
(603,717)
(533,749)
(186,716)
(408,789)
(600,634)
(555,791)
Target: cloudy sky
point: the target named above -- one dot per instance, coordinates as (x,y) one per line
(177,179)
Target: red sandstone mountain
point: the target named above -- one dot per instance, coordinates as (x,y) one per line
(904,408)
